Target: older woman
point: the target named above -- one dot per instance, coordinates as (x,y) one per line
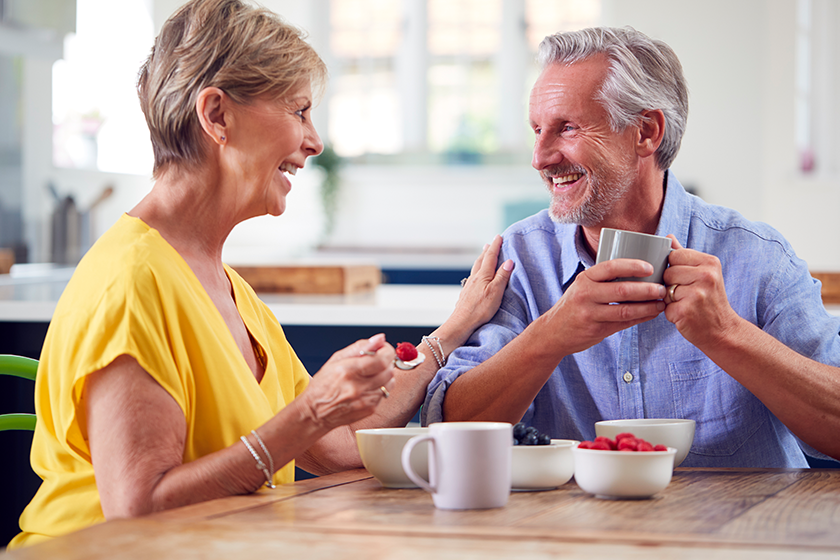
(164,380)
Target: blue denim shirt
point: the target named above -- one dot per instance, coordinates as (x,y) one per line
(650,370)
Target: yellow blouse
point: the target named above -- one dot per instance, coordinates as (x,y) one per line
(133,294)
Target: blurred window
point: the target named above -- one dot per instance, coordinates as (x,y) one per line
(817,84)
(440,78)
(97,122)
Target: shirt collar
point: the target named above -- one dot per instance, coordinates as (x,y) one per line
(676,207)
(574,256)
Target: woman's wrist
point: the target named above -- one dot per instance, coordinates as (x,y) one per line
(452,334)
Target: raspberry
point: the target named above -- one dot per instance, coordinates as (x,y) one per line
(628,444)
(644,446)
(607,441)
(406,351)
(623,442)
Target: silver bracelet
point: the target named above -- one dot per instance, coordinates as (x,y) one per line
(267,454)
(260,465)
(441,360)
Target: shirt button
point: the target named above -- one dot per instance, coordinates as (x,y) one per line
(628,377)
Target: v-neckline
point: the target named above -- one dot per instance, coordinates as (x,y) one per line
(209,301)
(256,346)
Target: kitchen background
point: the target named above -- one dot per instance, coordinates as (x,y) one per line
(426,115)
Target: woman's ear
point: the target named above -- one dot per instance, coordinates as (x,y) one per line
(212,109)
(651,132)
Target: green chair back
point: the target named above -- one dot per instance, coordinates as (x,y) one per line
(27,368)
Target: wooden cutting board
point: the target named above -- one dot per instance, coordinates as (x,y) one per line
(830,286)
(315,279)
(7,259)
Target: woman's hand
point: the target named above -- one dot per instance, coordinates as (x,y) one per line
(350,385)
(482,293)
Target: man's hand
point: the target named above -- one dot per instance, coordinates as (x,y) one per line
(594,307)
(697,301)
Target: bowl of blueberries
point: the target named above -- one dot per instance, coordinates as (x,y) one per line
(539,462)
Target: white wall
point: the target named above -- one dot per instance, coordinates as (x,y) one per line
(738,150)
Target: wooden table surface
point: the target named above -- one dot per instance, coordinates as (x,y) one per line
(703,513)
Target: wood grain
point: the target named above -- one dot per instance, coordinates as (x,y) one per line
(721,513)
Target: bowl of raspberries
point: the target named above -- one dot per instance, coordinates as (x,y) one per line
(670,432)
(626,466)
(539,462)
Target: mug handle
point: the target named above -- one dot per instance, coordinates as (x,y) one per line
(406,461)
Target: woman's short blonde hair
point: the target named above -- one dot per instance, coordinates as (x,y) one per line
(245,51)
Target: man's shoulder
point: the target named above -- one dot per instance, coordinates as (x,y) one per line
(723,220)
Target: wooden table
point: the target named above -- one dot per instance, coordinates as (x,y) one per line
(703,513)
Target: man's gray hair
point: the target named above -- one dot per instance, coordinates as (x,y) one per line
(644,74)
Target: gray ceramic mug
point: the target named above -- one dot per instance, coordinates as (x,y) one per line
(621,244)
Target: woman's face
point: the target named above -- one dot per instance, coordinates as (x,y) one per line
(271,142)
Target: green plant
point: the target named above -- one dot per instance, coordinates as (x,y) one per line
(330,162)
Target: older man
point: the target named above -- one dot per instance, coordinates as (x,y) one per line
(724,345)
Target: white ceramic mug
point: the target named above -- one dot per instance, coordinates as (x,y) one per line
(621,244)
(469,464)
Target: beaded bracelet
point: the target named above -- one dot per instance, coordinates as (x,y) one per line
(441,360)
(260,465)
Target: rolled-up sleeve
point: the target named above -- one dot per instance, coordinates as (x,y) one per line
(482,345)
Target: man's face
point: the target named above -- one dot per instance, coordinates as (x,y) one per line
(586,166)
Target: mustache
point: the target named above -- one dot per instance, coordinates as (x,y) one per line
(560,170)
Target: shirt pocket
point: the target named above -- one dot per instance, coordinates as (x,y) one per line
(727,414)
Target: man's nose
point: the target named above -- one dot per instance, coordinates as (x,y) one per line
(546,154)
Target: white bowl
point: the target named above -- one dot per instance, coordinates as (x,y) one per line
(623,474)
(381,451)
(542,467)
(670,432)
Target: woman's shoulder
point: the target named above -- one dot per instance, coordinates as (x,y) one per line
(128,258)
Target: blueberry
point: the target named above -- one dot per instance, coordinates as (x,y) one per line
(519,430)
(544,439)
(530,439)
(532,430)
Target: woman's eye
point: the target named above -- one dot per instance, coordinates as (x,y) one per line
(301,113)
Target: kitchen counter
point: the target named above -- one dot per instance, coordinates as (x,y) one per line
(32,297)
(31,292)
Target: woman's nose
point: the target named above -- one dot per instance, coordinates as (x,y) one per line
(312,143)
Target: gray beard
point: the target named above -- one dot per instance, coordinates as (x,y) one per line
(593,211)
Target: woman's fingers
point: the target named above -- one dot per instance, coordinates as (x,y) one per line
(375,346)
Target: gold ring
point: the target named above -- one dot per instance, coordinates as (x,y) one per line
(385,392)
(671,291)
